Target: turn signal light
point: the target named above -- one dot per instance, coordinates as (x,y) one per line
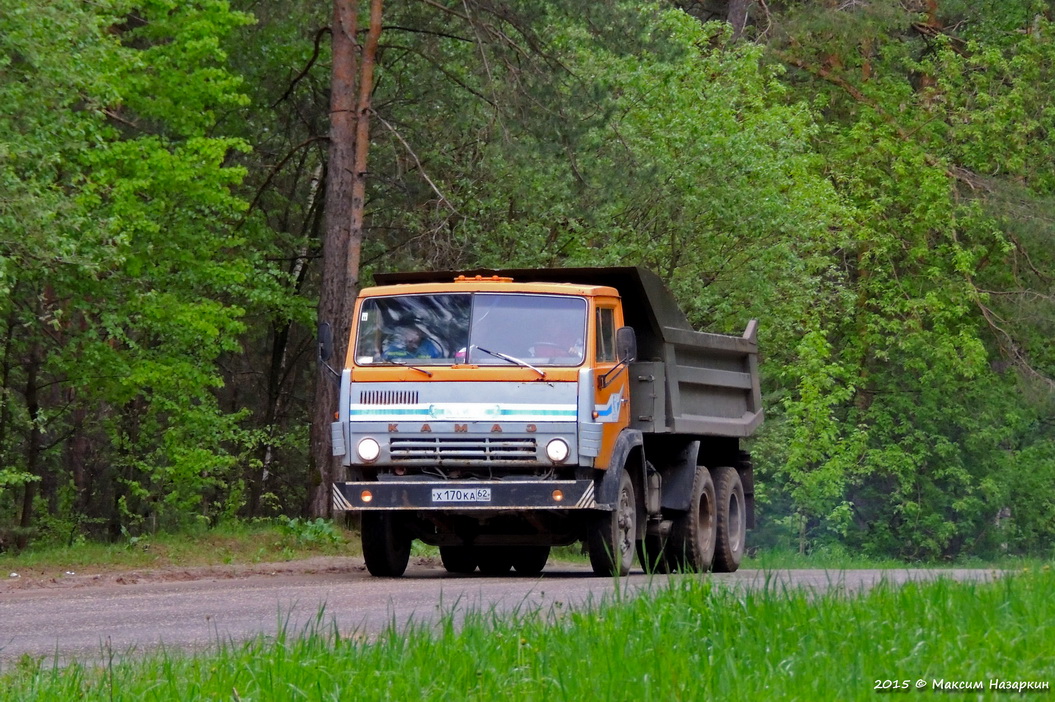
(366,496)
(558,495)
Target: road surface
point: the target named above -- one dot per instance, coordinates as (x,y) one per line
(91,617)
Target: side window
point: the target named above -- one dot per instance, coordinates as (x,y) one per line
(605,334)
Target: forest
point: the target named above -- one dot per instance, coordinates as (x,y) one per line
(873,180)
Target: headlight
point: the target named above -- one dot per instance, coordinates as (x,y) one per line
(557,450)
(368,450)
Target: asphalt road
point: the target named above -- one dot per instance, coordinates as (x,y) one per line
(121,616)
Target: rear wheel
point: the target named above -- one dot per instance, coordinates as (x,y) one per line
(386,545)
(732,519)
(530,560)
(612,535)
(692,540)
(458,559)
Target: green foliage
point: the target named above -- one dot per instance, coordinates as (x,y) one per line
(859,230)
(121,254)
(669,149)
(311,532)
(904,427)
(873,183)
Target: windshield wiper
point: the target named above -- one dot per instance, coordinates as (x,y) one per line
(514,360)
(391,362)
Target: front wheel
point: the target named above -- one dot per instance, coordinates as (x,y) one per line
(494,561)
(386,545)
(530,560)
(458,559)
(611,536)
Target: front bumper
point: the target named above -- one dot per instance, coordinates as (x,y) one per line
(465,495)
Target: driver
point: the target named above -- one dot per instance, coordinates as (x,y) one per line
(562,341)
(410,342)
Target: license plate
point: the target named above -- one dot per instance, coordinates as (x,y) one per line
(457,495)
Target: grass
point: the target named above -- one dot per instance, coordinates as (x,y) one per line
(235,543)
(691,640)
(838,558)
(265,541)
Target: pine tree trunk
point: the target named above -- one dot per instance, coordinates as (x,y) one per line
(737,16)
(345,204)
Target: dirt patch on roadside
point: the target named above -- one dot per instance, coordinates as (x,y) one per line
(38,578)
(45,579)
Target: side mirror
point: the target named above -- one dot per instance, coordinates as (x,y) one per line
(325,341)
(626,344)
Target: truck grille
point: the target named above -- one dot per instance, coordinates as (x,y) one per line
(486,450)
(388,397)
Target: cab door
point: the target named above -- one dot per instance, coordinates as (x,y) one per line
(612,399)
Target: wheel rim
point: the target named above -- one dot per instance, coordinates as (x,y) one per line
(625,523)
(705,521)
(736,523)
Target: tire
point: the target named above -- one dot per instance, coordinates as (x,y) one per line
(386,546)
(651,556)
(611,536)
(530,560)
(458,559)
(694,536)
(494,561)
(732,519)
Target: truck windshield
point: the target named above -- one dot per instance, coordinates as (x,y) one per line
(448,329)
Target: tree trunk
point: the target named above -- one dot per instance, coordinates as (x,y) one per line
(342,239)
(5,381)
(737,16)
(34,445)
(362,150)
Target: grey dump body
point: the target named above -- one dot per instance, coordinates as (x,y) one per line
(684,383)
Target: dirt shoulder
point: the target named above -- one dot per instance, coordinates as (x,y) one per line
(30,579)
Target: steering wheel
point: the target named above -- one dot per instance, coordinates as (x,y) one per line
(547,349)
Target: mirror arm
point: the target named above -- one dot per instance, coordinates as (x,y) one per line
(604,381)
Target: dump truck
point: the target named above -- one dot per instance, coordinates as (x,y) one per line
(496,414)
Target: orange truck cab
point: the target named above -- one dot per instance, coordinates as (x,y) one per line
(496,414)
